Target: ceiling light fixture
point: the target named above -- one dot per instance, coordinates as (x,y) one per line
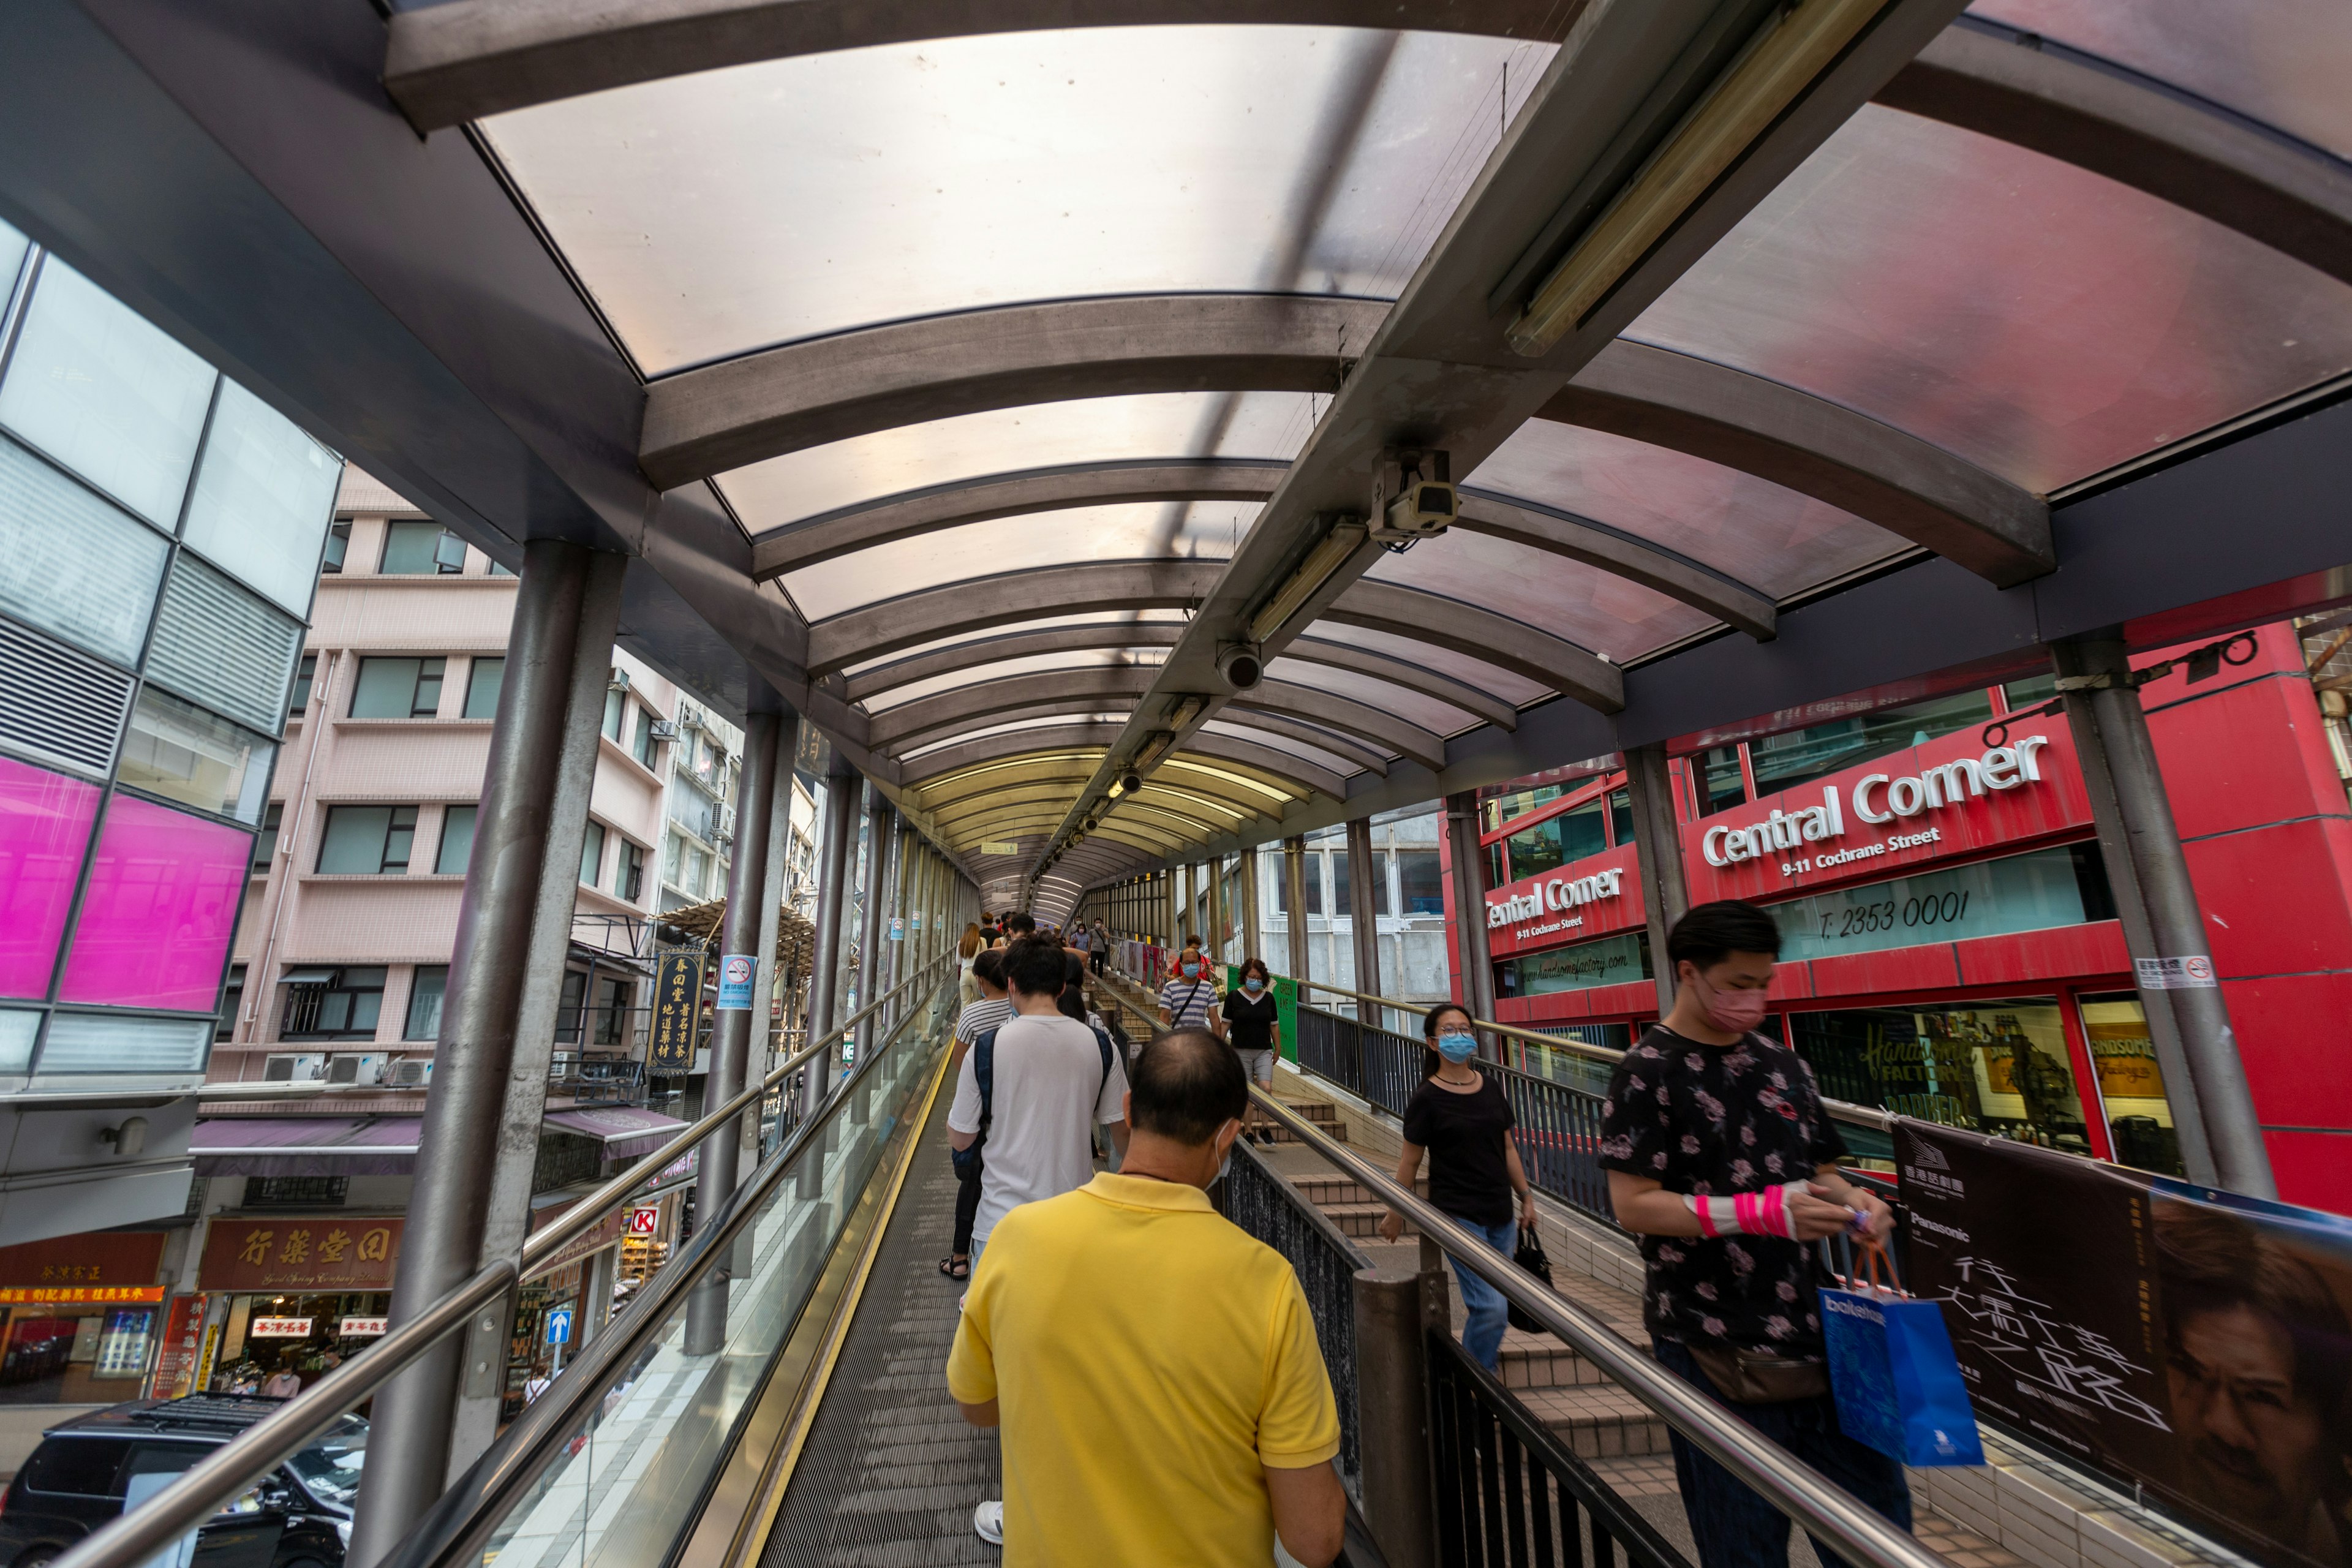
(1347,536)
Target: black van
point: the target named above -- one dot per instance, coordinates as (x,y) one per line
(298,1517)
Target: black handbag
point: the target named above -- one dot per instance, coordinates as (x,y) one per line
(1530,1260)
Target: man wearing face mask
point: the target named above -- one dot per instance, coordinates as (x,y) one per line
(1198,1342)
(1723,1161)
(1188,1000)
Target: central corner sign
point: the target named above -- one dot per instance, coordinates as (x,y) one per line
(1878,798)
(1556,894)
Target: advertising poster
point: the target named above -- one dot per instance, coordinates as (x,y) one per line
(2197,1343)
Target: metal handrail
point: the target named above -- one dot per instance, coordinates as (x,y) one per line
(1854,1530)
(199,1492)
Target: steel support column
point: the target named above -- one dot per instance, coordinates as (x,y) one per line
(1220,917)
(1657,836)
(567,609)
(2188,1022)
(1252,936)
(880,817)
(1294,897)
(839,846)
(745,922)
(1364,915)
(1469,866)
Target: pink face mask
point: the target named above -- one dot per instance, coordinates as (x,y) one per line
(1733,1012)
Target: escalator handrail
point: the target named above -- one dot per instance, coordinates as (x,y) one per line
(205,1488)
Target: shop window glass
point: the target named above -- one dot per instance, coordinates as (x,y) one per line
(180,752)
(482,682)
(1610,961)
(264,493)
(2019,892)
(425,990)
(1721,783)
(332,1003)
(1519,803)
(114,1042)
(1787,759)
(1573,1068)
(106,395)
(421,549)
(44,822)
(70,563)
(1621,816)
(398,688)
(164,888)
(1420,883)
(367,841)
(2131,1084)
(457,841)
(2000,1067)
(219,644)
(2031,692)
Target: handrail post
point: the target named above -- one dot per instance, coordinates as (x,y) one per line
(1392,1415)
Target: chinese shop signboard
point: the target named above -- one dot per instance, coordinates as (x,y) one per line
(677,1012)
(288,1252)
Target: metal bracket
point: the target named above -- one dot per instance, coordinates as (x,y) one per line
(485,1351)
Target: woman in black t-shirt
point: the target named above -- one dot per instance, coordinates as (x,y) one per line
(1254,1028)
(1460,1115)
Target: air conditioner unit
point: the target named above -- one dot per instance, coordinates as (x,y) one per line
(356,1067)
(299,1068)
(726,821)
(665,729)
(411,1073)
(619,680)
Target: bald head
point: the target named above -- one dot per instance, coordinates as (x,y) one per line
(1185,1086)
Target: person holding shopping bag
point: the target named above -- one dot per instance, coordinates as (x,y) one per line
(1461,1119)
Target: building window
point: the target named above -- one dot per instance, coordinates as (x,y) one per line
(1999,1067)
(304,674)
(633,872)
(425,992)
(1800,757)
(1419,885)
(570,1004)
(231,1000)
(398,688)
(457,841)
(422,550)
(367,841)
(674,860)
(482,683)
(332,1003)
(499,570)
(609,1026)
(617,707)
(339,543)
(591,854)
(644,749)
(1621,816)
(180,752)
(295,1192)
(266,845)
(1552,842)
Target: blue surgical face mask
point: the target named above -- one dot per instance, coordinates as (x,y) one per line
(1192,970)
(1252,985)
(1457,1049)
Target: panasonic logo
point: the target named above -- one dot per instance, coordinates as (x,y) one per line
(1924,1223)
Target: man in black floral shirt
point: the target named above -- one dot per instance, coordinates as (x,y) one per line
(1721,1159)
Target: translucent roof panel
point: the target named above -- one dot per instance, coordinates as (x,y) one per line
(1011,726)
(726,211)
(2285,62)
(1016,628)
(1330,761)
(1751,530)
(1593,609)
(1081,659)
(1426,712)
(1040,435)
(1152,530)
(1515,689)
(2043,321)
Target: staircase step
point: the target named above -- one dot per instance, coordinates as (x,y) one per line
(1362,1220)
(1598,1421)
(1336,1131)
(1321,1190)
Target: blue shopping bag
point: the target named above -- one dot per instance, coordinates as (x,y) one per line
(1897,1383)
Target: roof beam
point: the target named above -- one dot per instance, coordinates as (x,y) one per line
(954,609)
(703,422)
(870,683)
(1620,555)
(2019,90)
(1345,714)
(1412,677)
(917,512)
(1367,757)
(1144,834)
(1467,628)
(1911,488)
(915,773)
(984,702)
(449,64)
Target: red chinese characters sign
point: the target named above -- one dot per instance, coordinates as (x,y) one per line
(175,1357)
(299,1253)
(104,1266)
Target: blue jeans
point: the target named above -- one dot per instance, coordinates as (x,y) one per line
(1481,1336)
(1733,1526)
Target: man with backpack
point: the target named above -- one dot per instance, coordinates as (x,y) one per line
(1032,1090)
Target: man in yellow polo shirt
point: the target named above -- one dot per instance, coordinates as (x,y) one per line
(1154,1369)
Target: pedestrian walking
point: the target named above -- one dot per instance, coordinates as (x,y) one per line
(1254,1025)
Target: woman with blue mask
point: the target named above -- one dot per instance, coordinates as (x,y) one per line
(1254,1027)
(1460,1118)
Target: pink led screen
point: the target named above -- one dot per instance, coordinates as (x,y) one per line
(164,894)
(43,828)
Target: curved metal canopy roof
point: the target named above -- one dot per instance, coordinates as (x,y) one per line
(977,390)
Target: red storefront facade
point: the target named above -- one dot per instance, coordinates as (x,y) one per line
(1950,949)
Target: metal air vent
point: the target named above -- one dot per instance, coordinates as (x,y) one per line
(58,706)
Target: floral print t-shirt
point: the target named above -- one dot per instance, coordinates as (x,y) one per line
(1714,1121)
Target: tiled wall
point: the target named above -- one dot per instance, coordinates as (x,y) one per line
(160,538)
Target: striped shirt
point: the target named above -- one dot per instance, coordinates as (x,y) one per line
(1187,1002)
(981,1016)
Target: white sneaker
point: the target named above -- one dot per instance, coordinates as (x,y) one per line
(988,1522)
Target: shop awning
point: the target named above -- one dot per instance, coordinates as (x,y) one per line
(306,1146)
(626,1132)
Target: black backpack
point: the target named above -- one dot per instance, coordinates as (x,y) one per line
(984,1072)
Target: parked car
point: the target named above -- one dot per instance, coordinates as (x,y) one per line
(86,1470)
